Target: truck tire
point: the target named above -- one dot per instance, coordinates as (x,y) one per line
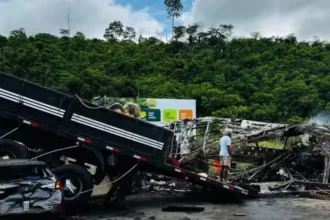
(74,192)
(13,150)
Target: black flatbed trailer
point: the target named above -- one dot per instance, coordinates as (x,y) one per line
(42,118)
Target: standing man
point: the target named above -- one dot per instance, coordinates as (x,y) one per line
(225,143)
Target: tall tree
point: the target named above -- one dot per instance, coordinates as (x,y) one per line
(226,30)
(114,31)
(20,33)
(255,35)
(129,34)
(64,32)
(3,42)
(179,32)
(174,10)
(192,31)
(215,36)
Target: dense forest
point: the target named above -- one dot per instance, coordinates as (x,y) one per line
(269,79)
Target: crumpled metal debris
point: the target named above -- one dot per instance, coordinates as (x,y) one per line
(28,187)
(28,197)
(302,163)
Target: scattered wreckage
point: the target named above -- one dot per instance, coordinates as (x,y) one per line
(302,165)
(37,121)
(28,187)
(297,160)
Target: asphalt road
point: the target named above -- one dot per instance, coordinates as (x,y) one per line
(149,207)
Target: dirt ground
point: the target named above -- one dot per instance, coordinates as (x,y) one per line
(149,207)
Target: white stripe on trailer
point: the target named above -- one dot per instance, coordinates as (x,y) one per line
(203,179)
(109,148)
(177,170)
(32,103)
(37,107)
(15,95)
(226,186)
(121,135)
(137,157)
(27,122)
(112,129)
(116,131)
(81,139)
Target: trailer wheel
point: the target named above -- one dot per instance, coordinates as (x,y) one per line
(77,184)
(10,149)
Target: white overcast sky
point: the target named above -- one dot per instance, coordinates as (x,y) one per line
(88,16)
(305,18)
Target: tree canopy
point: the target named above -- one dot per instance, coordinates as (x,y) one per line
(174,10)
(275,79)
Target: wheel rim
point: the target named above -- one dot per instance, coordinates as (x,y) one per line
(72,187)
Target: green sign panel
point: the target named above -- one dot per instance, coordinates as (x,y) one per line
(169,115)
(153,115)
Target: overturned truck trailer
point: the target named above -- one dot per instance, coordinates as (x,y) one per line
(35,120)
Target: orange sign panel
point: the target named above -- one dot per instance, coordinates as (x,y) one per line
(185,113)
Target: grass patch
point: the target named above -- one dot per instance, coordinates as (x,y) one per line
(270,144)
(242,166)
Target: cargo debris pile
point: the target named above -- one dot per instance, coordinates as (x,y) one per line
(302,166)
(299,163)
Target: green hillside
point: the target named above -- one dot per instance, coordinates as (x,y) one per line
(266,79)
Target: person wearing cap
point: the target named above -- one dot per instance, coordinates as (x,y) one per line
(225,145)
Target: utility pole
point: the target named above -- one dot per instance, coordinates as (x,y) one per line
(166,35)
(69,28)
(159,34)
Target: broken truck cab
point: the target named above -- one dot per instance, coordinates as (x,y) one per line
(28,187)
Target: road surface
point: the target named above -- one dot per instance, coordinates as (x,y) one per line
(150,206)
